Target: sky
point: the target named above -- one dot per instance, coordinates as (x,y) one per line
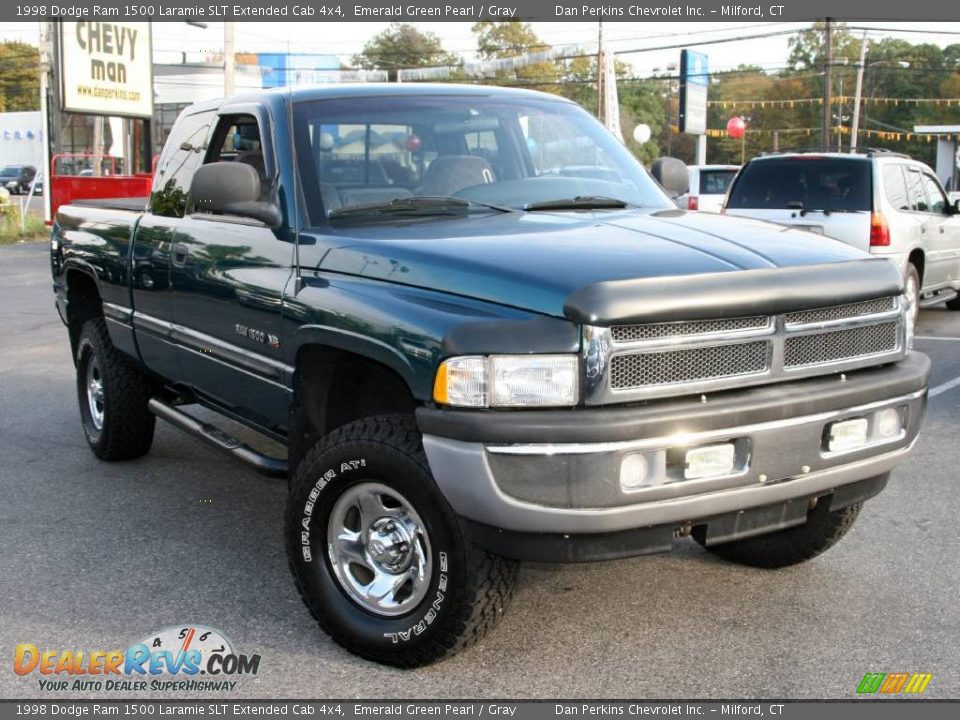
(347,38)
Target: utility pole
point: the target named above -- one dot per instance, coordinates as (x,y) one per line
(600,88)
(861,69)
(229,59)
(827,84)
(47,62)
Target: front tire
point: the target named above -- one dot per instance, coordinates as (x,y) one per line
(113,396)
(783,548)
(380,559)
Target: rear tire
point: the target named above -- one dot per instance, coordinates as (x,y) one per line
(365,513)
(113,395)
(783,548)
(953,304)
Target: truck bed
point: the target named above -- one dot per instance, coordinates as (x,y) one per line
(135,204)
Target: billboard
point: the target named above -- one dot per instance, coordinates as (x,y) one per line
(694,79)
(106,68)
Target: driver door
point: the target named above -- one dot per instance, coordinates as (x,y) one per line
(228,277)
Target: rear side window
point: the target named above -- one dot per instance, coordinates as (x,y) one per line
(935,197)
(181,157)
(895,187)
(812,183)
(715,182)
(918,199)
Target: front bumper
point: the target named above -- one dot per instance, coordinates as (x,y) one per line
(557,472)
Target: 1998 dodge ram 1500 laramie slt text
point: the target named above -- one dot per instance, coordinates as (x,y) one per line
(485,334)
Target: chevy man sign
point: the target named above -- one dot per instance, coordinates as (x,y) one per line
(107,68)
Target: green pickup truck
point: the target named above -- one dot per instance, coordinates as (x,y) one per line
(485,334)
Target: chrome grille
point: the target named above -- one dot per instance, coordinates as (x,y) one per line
(632,362)
(656,331)
(827,347)
(841,312)
(681,366)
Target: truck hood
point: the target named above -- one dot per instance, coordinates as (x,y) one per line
(537,261)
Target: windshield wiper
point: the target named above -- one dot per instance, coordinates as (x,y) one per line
(580,202)
(798,205)
(414,207)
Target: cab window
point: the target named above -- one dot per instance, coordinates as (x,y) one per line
(237,139)
(181,157)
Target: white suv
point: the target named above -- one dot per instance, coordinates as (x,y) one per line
(708,187)
(882,202)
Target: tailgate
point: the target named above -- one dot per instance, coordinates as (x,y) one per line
(853,228)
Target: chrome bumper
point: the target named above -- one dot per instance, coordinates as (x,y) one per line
(574,487)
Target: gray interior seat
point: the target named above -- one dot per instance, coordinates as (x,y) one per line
(449,174)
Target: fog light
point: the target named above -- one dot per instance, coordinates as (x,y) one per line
(888,423)
(633,471)
(710,461)
(847,434)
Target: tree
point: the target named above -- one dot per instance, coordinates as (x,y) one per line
(807,47)
(19,76)
(499,40)
(506,39)
(403,46)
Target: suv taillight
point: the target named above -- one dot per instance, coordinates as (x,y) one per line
(879,231)
(693,203)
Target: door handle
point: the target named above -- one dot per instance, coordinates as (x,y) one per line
(180,252)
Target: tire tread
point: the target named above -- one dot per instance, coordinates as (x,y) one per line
(490,578)
(131,424)
(793,545)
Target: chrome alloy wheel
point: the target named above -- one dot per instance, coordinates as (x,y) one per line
(379,549)
(95,393)
(911,306)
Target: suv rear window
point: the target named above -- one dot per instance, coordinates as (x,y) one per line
(814,183)
(715,182)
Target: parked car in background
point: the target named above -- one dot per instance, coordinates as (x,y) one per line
(708,187)
(883,202)
(17,178)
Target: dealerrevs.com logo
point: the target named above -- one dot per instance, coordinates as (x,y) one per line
(185,658)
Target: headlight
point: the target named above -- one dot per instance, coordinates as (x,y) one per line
(508,381)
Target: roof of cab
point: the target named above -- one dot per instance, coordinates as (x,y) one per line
(348,90)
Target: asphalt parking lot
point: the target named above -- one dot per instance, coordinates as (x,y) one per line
(96,556)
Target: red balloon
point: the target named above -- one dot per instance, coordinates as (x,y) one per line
(736,127)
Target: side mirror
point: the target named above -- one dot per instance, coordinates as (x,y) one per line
(232,188)
(955,207)
(672,175)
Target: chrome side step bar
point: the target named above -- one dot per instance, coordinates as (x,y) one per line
(937,298)
(212,435)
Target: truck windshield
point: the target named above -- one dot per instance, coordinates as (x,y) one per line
(516,153)
(805,183)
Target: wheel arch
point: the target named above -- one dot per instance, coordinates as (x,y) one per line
(340,377)
(918,259)
(84,300)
